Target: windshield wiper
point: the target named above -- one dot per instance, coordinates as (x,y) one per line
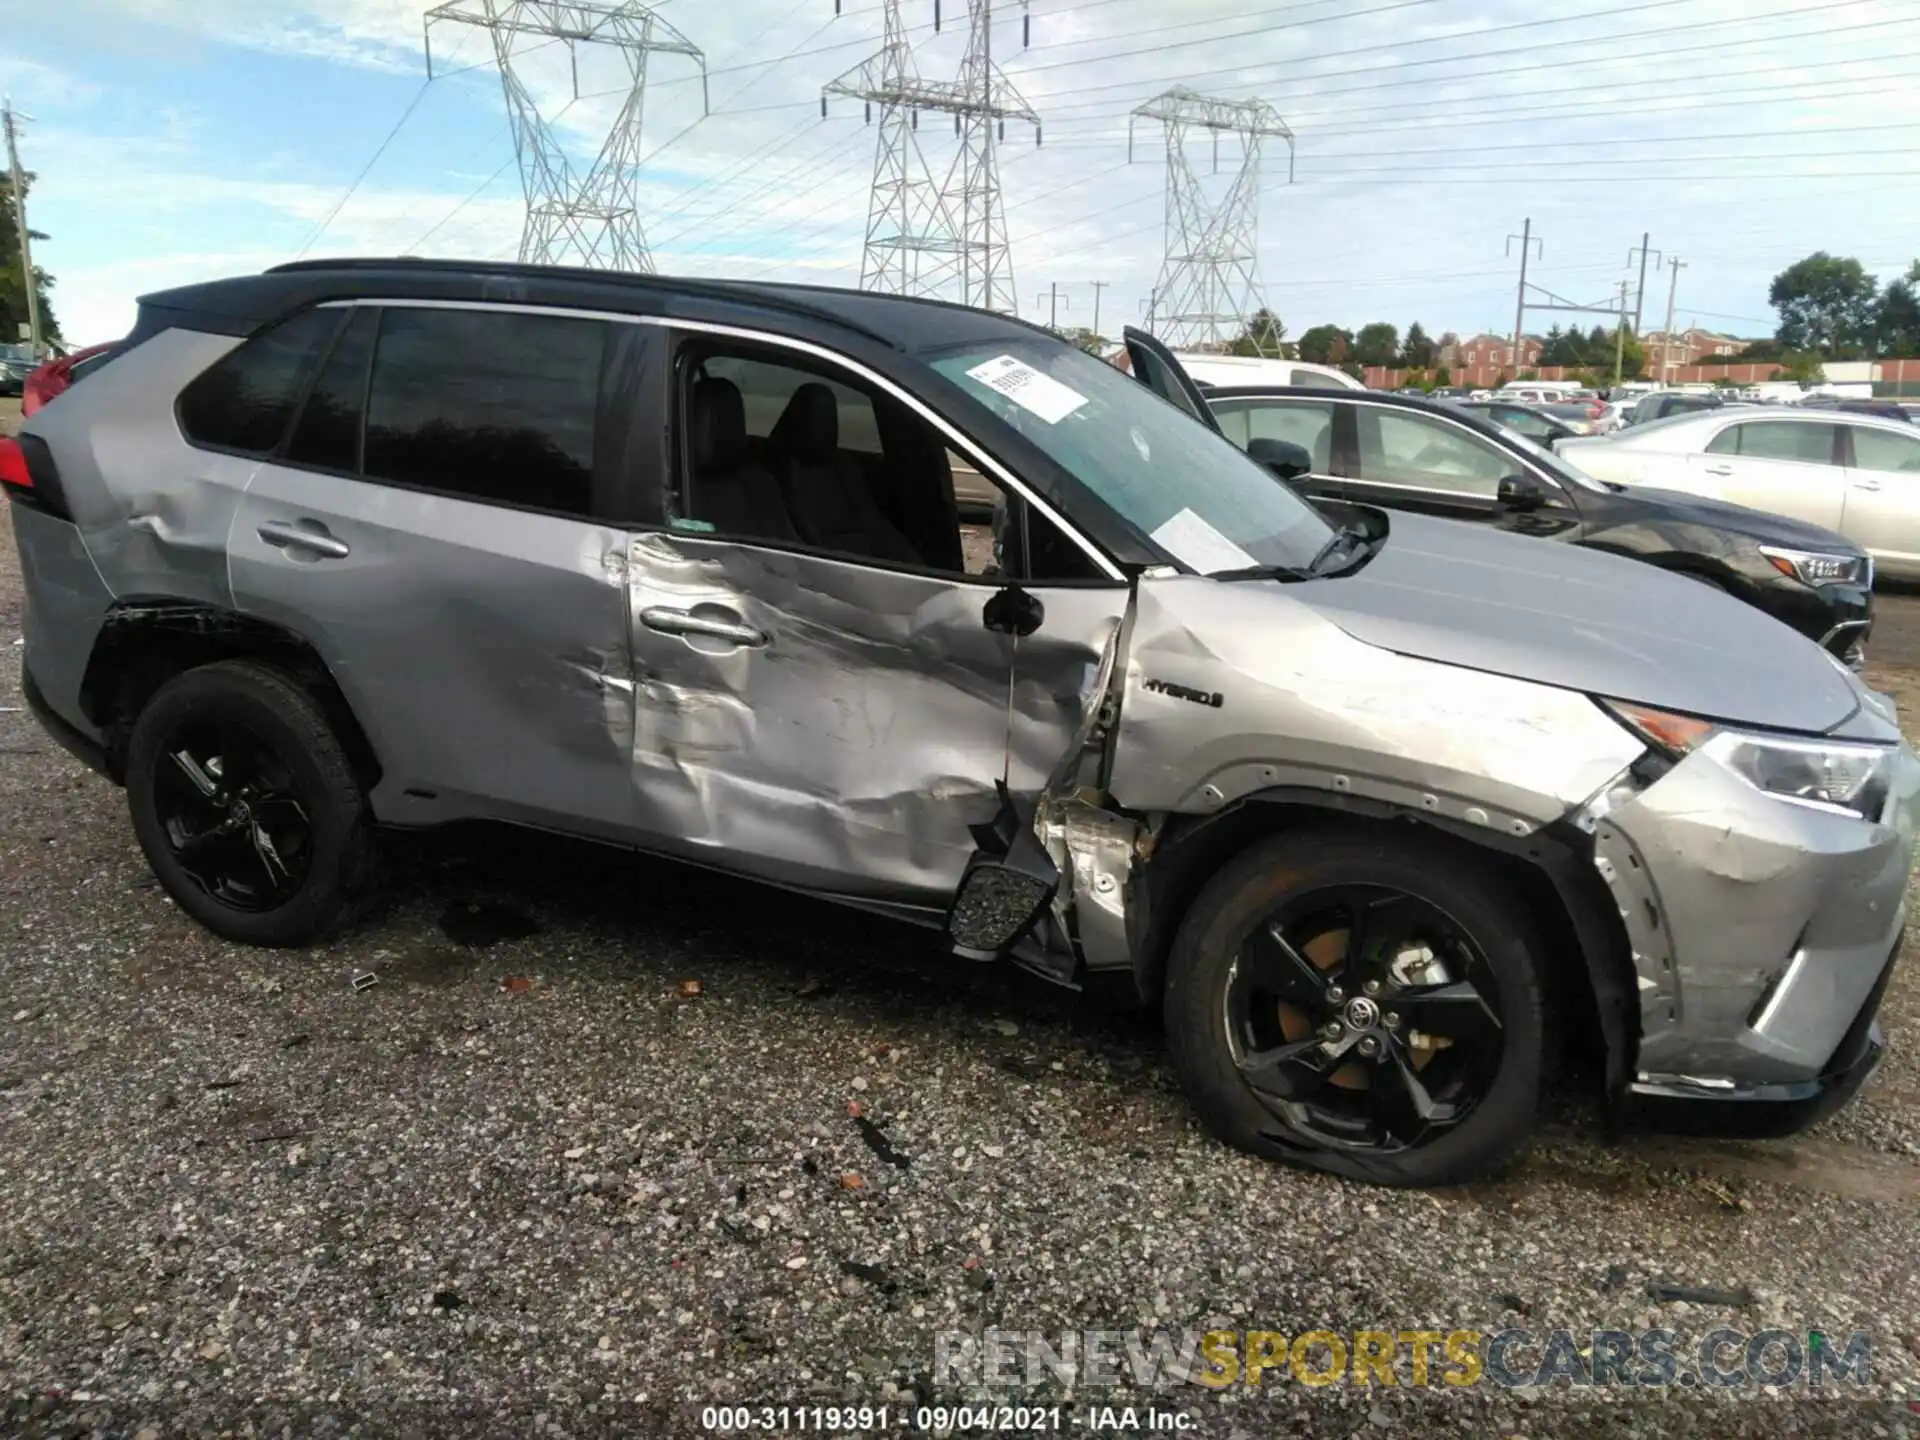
(1262,572)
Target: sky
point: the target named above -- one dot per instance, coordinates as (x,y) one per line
(180,140)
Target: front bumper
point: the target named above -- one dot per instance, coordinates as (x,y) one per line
(1696,1105)
(1762,931)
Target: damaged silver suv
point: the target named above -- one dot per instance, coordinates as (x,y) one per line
(1368,805)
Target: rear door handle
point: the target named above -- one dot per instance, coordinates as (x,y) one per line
(1718,469)
(1866,484)
(284,534)
(717,623)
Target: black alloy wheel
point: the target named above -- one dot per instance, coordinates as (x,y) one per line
(247,806)
(1363,1016)
(1366,999)
(232,815)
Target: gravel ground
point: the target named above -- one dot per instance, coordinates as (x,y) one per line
(610,1141)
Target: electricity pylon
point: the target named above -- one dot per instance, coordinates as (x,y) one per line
(593,218)
(945,237)
(1208,287)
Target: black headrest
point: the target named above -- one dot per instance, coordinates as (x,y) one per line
(809,428)
(719,422)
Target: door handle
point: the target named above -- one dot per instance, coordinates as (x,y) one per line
(714,626)
(1718,469)
(284,533)
(1866,484)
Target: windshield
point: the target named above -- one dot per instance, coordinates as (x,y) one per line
(1197,496)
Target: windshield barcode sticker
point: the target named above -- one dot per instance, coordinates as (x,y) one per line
(1030,389)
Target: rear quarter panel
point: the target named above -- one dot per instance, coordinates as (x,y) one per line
(152,511)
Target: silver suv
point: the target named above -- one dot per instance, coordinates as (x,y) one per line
(1366,804)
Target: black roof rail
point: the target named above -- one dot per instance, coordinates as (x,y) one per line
(777,295)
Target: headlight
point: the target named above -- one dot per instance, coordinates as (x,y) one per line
(1820,567)
(1843,775)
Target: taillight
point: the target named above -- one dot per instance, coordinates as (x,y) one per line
(30,477)
(13,467)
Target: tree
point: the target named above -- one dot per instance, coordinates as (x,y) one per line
(1326,345)
(1562,347)
(1827,304)
(13,290)
(1442,376)
(1417,352)
(1802,366)
(1264,335)
(1377,344)
(1898,323)
(1088,341)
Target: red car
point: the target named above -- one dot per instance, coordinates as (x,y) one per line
(56,375)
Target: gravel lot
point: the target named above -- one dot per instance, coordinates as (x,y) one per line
(612,1140)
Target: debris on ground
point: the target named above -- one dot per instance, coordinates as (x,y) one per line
(1665,1292)
(877,1142)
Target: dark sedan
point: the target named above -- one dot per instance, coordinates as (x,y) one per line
(1405,454)
(1538,424)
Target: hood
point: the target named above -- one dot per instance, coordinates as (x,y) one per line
(1767,528)
(1468,595)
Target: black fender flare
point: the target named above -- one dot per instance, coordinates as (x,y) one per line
(146,640)
(1557,857)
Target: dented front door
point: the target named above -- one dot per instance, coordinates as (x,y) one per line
(833,725)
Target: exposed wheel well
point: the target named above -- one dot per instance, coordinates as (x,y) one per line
(146,642)
(1564,896)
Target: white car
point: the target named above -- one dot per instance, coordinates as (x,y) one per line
(1856,474)
(1219,371)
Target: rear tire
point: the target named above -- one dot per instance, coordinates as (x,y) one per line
(247,806)
(1238,1003)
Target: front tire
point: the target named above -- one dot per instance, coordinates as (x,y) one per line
(247,806)
(1365,1003)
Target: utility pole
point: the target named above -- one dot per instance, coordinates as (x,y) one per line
(1640,290)
(1527,242)
(18,182)
(1620,337)
(575,216)
(926,234)
(1208,290)
(1053,306)
(1666,336)
(1098,286)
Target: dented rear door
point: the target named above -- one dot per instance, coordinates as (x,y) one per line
(445,559)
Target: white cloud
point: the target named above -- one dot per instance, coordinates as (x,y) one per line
(1721,126)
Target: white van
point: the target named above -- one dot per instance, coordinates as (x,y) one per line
(1539,392)
(1221,371)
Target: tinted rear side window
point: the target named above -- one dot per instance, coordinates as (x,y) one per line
(246,399)
(486,404)
(327,434)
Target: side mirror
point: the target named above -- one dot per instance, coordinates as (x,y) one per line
(1283,457)
(1009,881)
(1012,611)
(1521,493)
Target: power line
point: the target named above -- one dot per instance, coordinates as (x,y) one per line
(1559,62)
(365,170)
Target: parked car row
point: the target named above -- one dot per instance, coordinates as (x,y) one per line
(1365,802)
(1488,464)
